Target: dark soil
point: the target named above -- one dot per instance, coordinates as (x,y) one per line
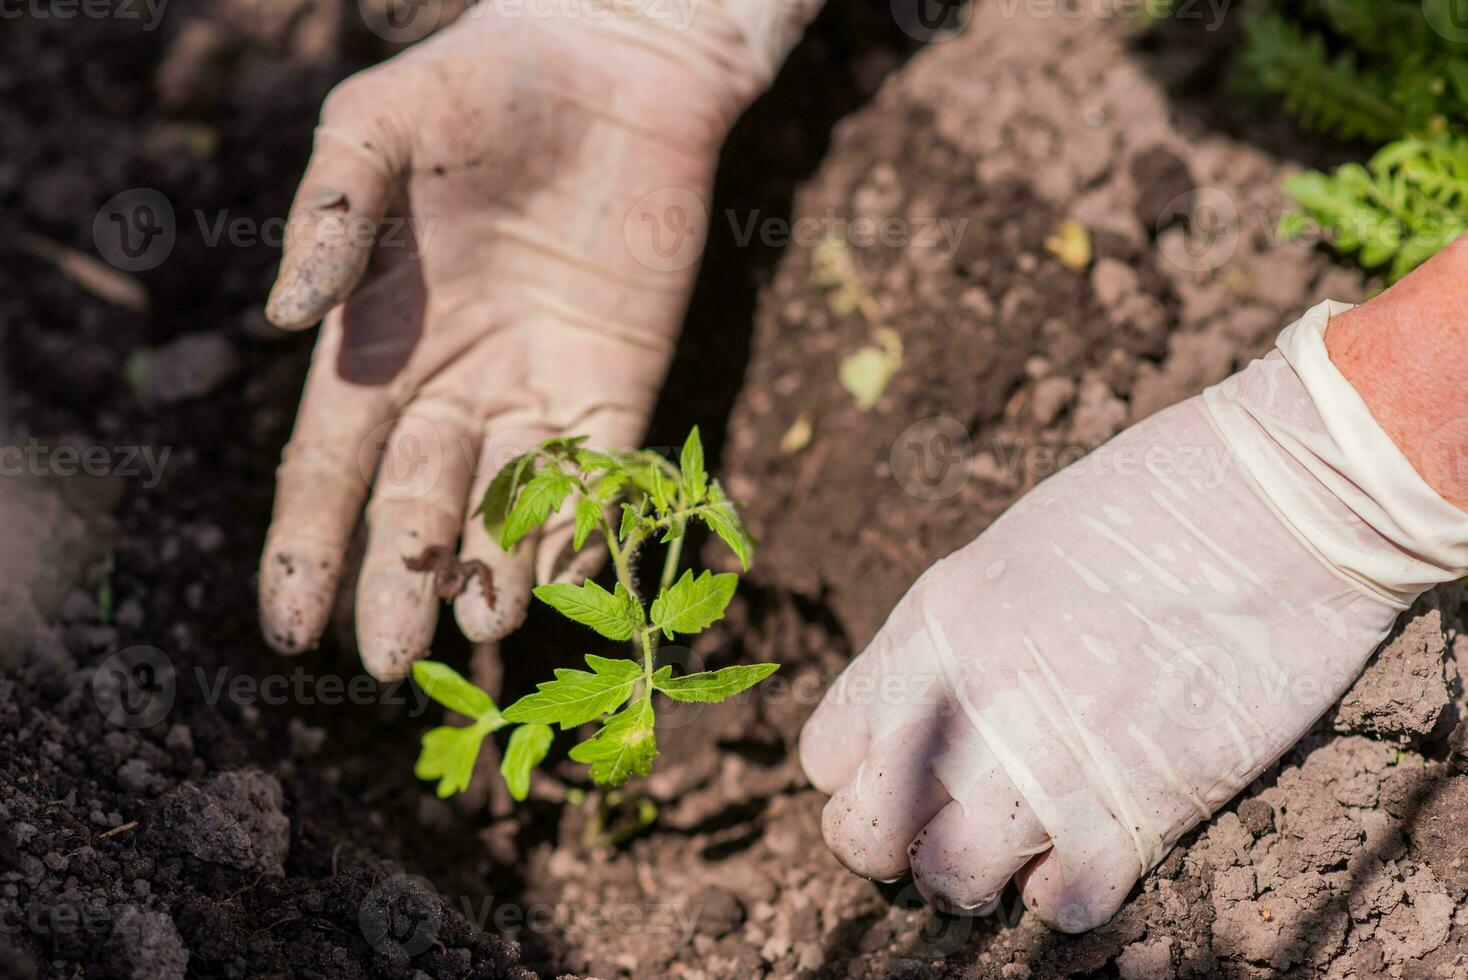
(266,821)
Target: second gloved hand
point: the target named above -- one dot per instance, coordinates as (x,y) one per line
(1130,644)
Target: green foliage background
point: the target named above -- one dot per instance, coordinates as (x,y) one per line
(1393,73)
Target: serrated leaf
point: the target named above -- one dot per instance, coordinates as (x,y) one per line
(631,518)
(607,488)
(588,516)
(723,519)
(695,477)
(528,745)
(452,690)
(659,489)
(448,755)
(693,604)
(713,685)
(564,447)
(590,460)
(495,507)
(612,615)
(542,496)
(624,747)
(576,696)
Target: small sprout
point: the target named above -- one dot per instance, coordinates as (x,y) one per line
(654,500)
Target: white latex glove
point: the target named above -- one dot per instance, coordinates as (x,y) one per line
(1130,644)
(545,180)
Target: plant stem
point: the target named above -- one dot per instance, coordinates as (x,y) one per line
(670,562)
(624,576)
(619,559)
(646,635)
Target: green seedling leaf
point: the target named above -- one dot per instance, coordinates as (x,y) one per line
(609,486)
(542,496)
(448,755)
(591,460)
(658,500)
(565,447)
(713,685)
(449,688)
(659,489)
(624,747)
(691,604)
(528,745)
(495,507)
(721,517)
(588,516)
(695,477)
(631,521)
(576,696)
(613,615)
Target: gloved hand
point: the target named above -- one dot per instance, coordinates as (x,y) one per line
(1130,644)
(535,190)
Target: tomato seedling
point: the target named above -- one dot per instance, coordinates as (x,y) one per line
(654,499)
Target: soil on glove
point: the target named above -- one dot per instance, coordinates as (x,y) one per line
(1079,236)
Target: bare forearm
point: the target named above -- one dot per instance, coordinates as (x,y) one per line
(1406,353)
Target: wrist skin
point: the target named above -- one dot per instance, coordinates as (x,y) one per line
(1406,353)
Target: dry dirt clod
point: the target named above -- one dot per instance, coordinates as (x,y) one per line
(1403,694)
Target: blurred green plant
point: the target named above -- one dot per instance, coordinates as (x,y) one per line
(1392,72)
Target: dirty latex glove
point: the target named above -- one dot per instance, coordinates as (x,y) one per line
(1130,644)
(536,191)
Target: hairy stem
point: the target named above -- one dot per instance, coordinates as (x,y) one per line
(670,562)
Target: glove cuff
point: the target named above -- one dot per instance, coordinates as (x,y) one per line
(1338,480)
